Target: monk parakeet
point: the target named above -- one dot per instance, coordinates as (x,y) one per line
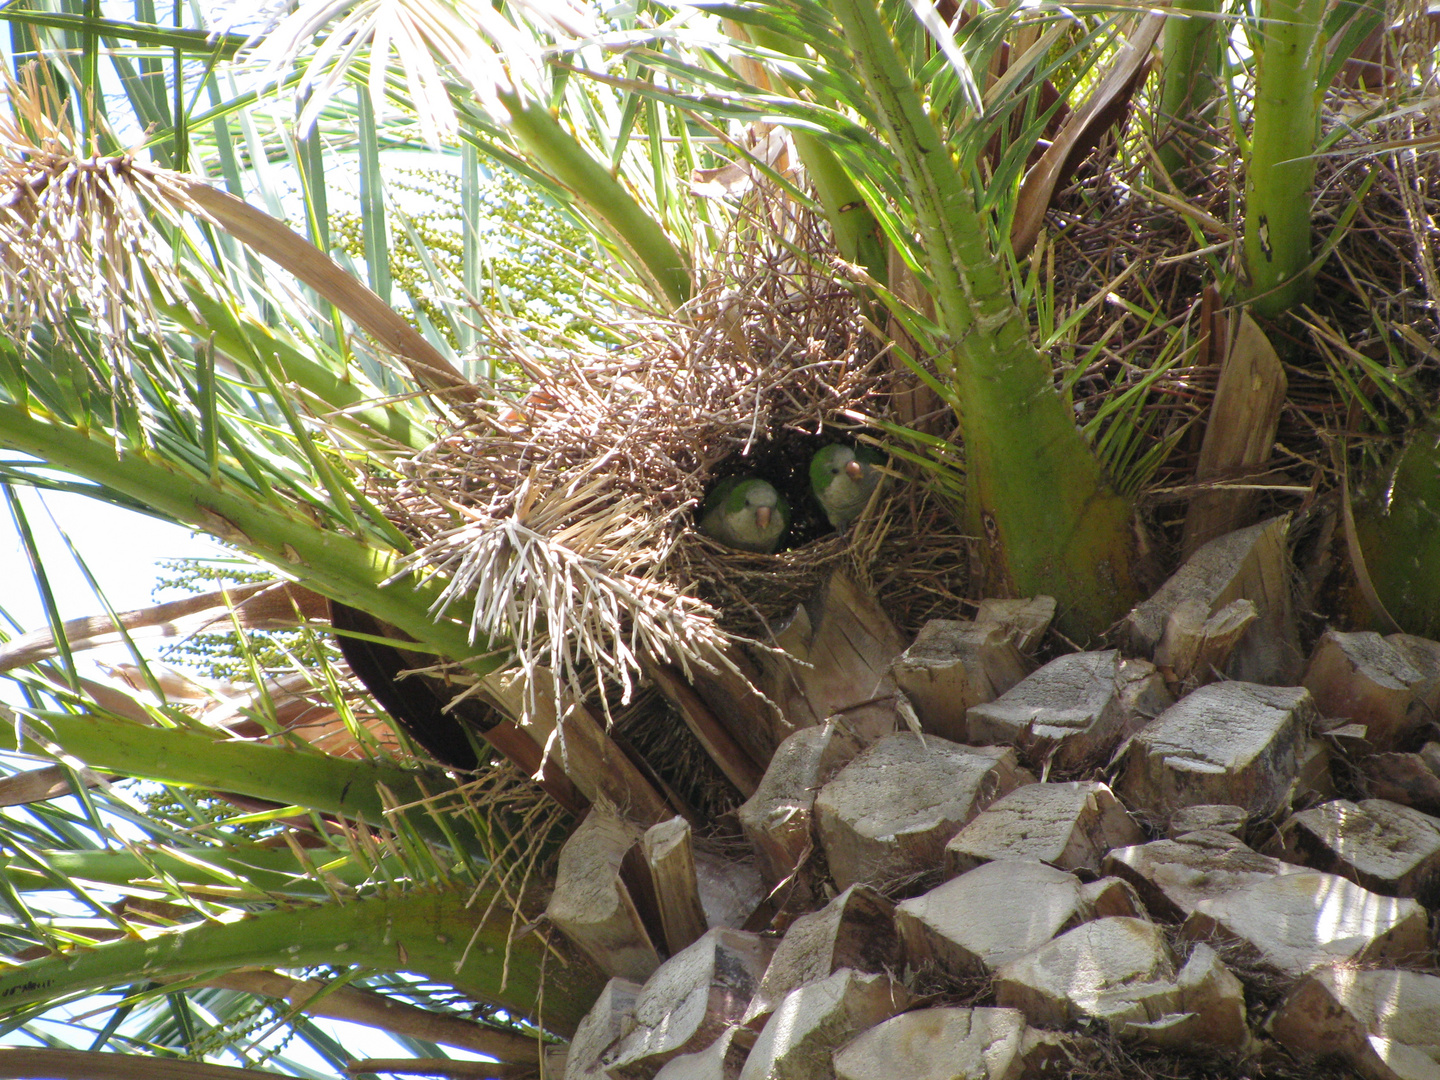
(746,513)
(842,478)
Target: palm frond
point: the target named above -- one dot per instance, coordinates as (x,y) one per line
(79,229)
(496,52)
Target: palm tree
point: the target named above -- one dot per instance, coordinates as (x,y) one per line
(289,409)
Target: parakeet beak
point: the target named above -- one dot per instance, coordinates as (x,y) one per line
(762,516)
(854,470)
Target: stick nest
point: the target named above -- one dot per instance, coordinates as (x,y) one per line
(567,514)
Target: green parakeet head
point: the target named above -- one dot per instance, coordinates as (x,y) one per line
(747,513)
(842,478)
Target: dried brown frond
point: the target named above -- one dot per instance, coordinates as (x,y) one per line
(77,229)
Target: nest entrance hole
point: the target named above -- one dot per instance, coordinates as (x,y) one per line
(783,461)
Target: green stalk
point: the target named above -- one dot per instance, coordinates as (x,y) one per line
(200,43)
(262,871)
(338,566)
(1037,500)
(1281,170)
(436,934)
(857,234)
(278,774)
(1190,89)
(372,201)
(641,240)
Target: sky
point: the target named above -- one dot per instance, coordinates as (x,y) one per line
(121,548)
